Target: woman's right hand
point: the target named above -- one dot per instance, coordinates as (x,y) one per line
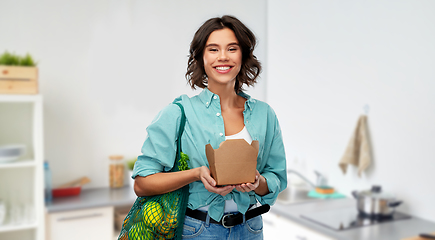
(210,183)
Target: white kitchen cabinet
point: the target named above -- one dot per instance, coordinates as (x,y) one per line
(273,227)
(21,181)
(84,224)
(276,226)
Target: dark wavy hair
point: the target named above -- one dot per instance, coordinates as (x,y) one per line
(250,68)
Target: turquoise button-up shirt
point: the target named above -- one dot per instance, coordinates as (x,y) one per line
(204,124)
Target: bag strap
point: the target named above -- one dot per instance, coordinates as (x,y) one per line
(180,132)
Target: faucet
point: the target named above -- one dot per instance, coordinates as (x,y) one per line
(320,178)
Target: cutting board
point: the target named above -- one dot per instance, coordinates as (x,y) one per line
(417,238)
(76,183)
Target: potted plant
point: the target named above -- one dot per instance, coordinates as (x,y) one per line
(18,74)
(130,166)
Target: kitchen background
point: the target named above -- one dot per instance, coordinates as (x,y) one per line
(107,68)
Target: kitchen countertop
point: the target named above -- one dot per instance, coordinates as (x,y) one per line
(393,230)
(93,198)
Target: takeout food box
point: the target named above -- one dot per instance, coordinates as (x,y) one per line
(234,162)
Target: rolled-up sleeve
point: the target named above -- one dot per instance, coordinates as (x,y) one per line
(159,148)
(275,168)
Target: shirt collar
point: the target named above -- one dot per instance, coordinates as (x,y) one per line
(250,102)
(206,97)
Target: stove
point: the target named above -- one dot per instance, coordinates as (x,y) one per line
(348,218)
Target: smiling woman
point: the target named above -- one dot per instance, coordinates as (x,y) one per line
(221,61)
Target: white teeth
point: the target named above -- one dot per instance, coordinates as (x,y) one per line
(222,68)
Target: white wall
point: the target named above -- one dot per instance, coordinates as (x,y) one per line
(328,59)
(108,67)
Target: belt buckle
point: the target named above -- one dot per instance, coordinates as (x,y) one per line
(223,220)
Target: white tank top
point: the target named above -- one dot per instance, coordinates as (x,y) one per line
(230,205)
(244,134)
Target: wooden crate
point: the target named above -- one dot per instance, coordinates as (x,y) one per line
(18,80)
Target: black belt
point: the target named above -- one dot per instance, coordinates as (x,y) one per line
(229,220)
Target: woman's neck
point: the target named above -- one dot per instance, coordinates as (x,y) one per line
(228,97)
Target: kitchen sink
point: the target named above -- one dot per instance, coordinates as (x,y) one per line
(297,191)
(296,194)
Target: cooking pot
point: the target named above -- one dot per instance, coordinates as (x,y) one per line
(374,203)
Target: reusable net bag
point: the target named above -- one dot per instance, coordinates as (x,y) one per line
(160,216)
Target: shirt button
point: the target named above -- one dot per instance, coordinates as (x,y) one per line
(206,103)
(221,134)
(247,121)
(218,114)
(215,97)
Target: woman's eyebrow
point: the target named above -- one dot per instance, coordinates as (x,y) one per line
(233,44)
(217,45)
(212,45)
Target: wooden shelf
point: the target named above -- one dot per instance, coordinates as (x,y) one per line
(20,97)
(18,164)
(18,227)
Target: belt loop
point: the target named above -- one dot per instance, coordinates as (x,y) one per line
(207,220)
(244,219)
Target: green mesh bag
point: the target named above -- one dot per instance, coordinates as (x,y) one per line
(160,216)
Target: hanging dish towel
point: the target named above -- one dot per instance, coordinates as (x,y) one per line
(358,152)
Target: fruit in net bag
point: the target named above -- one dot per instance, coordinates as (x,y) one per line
(124,236)
(152,214)
(137,232)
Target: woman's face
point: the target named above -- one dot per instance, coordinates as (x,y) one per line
(222,58)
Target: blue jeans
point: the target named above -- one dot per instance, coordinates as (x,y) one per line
(199,230)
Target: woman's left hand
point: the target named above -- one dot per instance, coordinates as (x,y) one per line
(247,187)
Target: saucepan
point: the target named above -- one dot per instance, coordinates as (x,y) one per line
(374,203)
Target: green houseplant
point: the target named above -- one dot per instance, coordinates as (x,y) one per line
(12,59)
(130,166)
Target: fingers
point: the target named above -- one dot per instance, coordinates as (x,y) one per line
(247,187)
(223,190)
(210,183)
(205,176)
(220,190)
(207,179)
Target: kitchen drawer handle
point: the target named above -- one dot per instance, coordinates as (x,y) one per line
(79,217)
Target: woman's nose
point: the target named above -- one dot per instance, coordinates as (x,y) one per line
(222,56)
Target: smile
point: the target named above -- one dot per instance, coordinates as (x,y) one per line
(223,68)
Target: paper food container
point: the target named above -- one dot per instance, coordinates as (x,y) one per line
(234,162)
